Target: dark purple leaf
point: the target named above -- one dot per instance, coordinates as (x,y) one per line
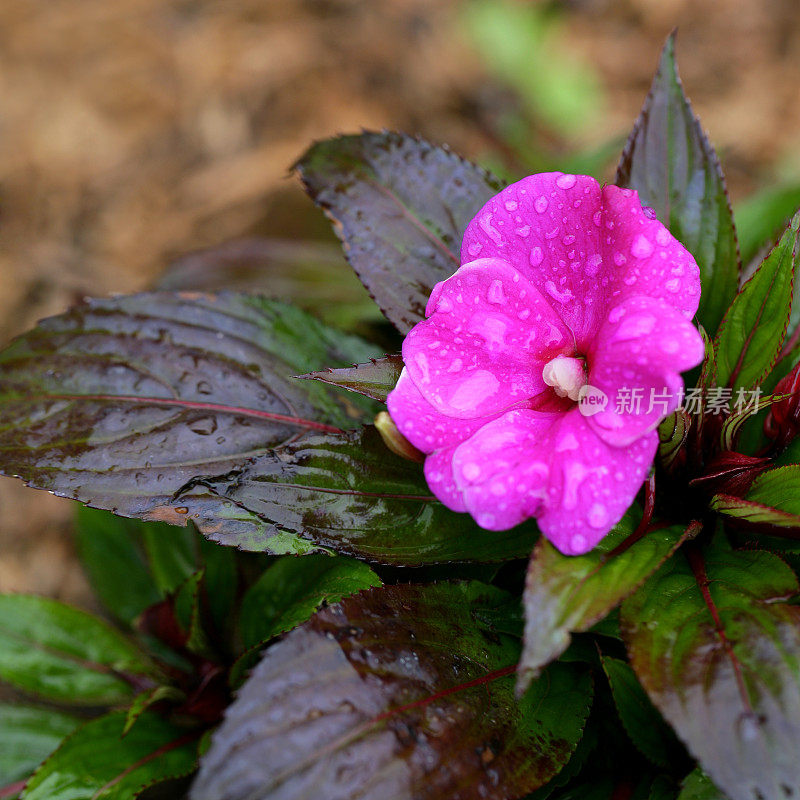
(405,691)
(670,162)
(400,206)
(118,403)
(347,492)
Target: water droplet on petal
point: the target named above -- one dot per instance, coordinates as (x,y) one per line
(598,516)
(566,181)
(593,264)
(673,285)
(662,236)
(471,471)
(511,205)
(541,204)
(495,294)
(486,520)
(524,231)
(560,297)
(619,259)
(498,488)
(568,240)
(485,223)
(475,248)
(642,247)
(578,543)
(524,313)
(596,218)
(536,257)
(456,365)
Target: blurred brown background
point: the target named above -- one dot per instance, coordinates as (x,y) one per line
(137,130)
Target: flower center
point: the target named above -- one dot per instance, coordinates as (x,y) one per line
(566,375)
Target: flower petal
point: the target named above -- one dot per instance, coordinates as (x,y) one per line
(439,475)
(648,259)
(553,467)
(636,360)
(425,427)
(483,348)
(547,227)
(591,485)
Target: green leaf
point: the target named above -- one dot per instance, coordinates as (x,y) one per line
(293,589)
(773,500)
(671,163)
(569,594)
(698,786)
(374,379)
(63,654)
(719,655)
(640,718)
(402,691)
(97,763)
(347,492)
(751,334)
(400,206)
(311,275)
(27,736)
(111,554)
(147,698)
(760,217)
(118,403)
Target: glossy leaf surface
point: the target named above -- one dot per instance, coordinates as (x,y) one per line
(404,692)
(374,379)
(400,206)
(566,594)
(347,492)
(97,763)
(752,332)
(293,589)
(698,786)
(66,655)
(120,402)
(773,500)
(671,163)
(718,652)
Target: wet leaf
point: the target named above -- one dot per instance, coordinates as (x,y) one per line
(111,554)
(27,736)
(400,206)
(97,763)
(349,493)
(719,655)
(640,718)
(751,334)
(569,594)
(292,589)
(405,691)
(670,162)
(374,379)
(66,655)
(118,403)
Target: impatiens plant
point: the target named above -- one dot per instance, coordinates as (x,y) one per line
(547,547)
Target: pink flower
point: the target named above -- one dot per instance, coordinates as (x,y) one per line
(547,360)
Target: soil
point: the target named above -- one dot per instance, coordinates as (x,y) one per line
(135,131)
